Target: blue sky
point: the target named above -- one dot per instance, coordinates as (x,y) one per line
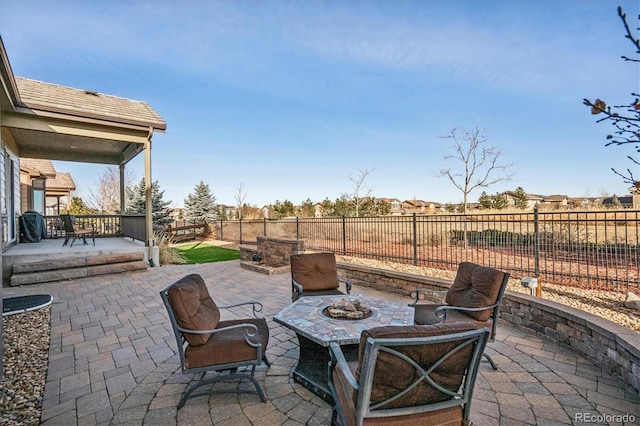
(292,98)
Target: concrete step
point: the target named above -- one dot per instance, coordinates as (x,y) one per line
(76,267)
(75,262)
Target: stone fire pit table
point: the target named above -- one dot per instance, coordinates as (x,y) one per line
(316,331)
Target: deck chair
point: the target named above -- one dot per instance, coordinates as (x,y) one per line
(231,349)
(475,296)
(315,274)
(73,230)
(408,375)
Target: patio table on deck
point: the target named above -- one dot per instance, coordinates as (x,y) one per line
(315,332)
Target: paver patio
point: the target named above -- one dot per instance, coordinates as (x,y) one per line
(113,361)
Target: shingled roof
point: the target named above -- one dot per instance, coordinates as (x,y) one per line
(85,103)
(61,181)
(43,167)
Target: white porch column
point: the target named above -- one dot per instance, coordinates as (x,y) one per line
(149,202)
(122,188)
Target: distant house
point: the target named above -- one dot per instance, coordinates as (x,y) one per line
(532,199)
(43,189)
(396,205)
(230,212)
(266,211)
(556,200)
(584,202)
(420,207)
(627,202)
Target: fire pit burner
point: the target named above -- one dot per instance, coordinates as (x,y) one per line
(346,309)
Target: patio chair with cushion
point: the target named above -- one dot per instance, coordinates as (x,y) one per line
(73,230)
(408,375)
(475,296)
(230,349)
(315,274)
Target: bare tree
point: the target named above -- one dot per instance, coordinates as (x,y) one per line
(240,196)
(360,192)
(624,118)
(480,164)
(105,197)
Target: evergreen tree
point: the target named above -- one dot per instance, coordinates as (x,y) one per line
(78,207)
(201,205)
(615,202)
(500,202)
(485,201)
(344,206)
(136,203)
(520,198)
(327,208)
(307,208)
(283,209)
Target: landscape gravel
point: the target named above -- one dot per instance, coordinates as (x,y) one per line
(605,304)
(25,358)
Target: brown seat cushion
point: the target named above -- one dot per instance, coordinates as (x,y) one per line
(315,271)
(332,292)
(394,374)
(475,286)
(228,346)
(193,307)
(426,315)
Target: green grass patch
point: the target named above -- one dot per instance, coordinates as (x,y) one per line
(204,253)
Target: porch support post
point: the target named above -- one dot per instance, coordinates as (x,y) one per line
(147,190)
(122,166)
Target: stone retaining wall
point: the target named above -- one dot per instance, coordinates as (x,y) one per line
(609,345)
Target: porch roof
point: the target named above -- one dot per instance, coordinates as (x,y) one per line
(54,122)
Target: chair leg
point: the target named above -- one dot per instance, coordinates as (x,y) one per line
(490,361)
(223,377)
(265,360)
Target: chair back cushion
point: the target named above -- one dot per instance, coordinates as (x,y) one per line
(193,307)
(315,271)
(393,375)
(475,286)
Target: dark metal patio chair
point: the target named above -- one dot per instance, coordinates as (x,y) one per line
(408,375)
(475,296)
(231,349)
(73,230)
(315,274)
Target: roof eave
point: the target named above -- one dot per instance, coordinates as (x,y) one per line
(92,118)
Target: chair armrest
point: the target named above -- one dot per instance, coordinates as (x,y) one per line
(338,361)
(441,311)
(221,329)
(347,284)
(296,289)
(433,296)
(255,307)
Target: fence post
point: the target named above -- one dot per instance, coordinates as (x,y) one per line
(221,230)
(264,226)
(415,241)
(297,228)
(240,230)
(536,249)
(344,236)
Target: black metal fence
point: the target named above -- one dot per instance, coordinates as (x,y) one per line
(590,249)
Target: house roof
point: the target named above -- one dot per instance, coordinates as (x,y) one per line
(62,181)
(39,166)
(54,122)
(85,103)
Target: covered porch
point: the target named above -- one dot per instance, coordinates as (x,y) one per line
(48,261)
